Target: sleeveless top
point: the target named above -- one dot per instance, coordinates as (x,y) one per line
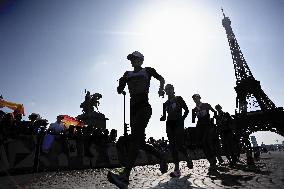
(174,108)
(138,82)
(202,112)
(223,120)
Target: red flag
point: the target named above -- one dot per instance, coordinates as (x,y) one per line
(68,120)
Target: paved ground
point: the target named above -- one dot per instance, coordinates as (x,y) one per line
(268,173)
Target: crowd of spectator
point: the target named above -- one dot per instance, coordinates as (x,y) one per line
(12,125)
(160,144)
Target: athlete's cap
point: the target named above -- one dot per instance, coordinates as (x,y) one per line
(196,95)
(135,54)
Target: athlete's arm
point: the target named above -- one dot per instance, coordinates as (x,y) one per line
(184,106)
(210,108)
(163,118)
(122,84)
(194,111)
(153,72)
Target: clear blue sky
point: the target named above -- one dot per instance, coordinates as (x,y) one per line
(50,51)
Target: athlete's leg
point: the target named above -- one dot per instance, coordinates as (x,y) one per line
(179,141)
(170,128)
(139,119)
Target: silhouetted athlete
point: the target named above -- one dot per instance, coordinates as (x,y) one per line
(175,127)
(205,129)
(228,138)
(138,82)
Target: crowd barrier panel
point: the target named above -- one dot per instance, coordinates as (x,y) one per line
(4,164)
(19,153)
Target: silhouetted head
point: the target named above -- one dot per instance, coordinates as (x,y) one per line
(17,115)
(169,89)
(106,131)
(8,119)
(59,118)
(33,116)
(151,139)
(196,98)
(113,132)
(136,59)
(218,107)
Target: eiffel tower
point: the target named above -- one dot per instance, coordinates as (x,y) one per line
(270,117)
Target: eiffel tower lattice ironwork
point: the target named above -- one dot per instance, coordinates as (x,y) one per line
(269,118)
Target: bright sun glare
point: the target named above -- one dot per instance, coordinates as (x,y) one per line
(170,35)
(173,42)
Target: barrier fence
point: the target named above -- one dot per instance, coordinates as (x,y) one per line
(32,153)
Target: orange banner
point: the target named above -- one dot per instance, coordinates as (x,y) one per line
(14,106)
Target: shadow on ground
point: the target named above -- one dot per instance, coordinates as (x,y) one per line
(177,183)
(230,179)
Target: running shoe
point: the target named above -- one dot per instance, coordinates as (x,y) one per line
(175,174)
(118,180)
(119,171)
(189,164)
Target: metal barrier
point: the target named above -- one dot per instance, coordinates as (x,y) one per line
(20,154)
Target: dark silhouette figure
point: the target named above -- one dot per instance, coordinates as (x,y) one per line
(216,142)
(172,110)
(138,82)
(2,114)
(113,135)
(36,123)
(228,138)
(6,127)
(205,130)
